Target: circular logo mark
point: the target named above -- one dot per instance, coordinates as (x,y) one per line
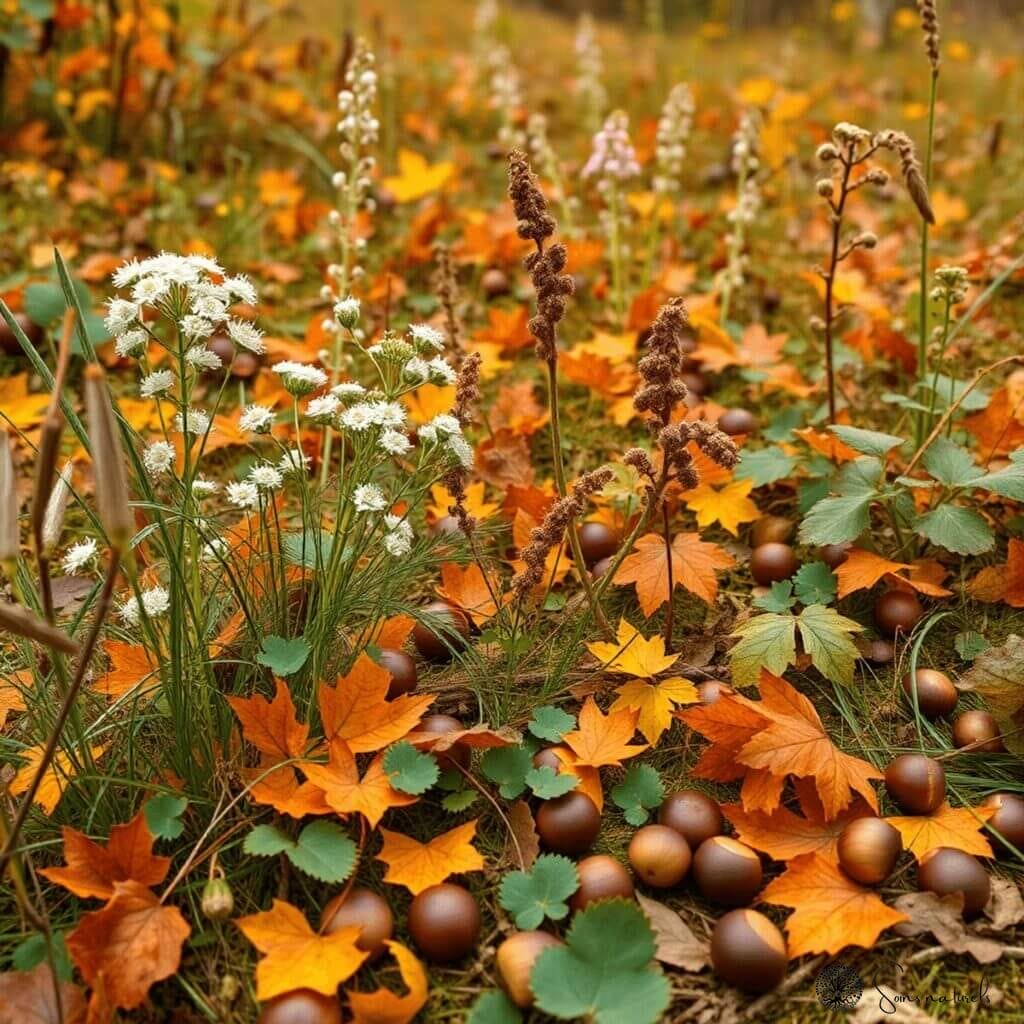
(839,987)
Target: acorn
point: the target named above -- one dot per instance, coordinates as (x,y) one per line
(833,555)
(9,343)
(737,421)
(978,727)
(771,530)
(494,282)
(897,611)
(458,753)
(515,959)
(568,824)
(303,1006)
(694,815)
(218,902)
(601,878)
(748,951)
(712,690)
(452,631)
(444,922)
(917,783)
(547,758)
(727,872)
(936,694)
(946,871)
(772,562)
(364,908)
(1008,820)
(402,670)
(597,541)
(868,850)
(660,856)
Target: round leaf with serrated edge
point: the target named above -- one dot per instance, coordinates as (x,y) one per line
(163,815)
(540,892)
(494,1007)
(324,851)
(547,784)
(814,583)
(458,801)
(410,770)
(551,724)
(506,767)
(283,657)
(604,971)
(640,791)
(960,530)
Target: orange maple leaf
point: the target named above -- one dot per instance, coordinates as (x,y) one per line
(418,866)
(589,778)
(1002,582)
(830,911)
(863,569)
(356,708)
(728,725)
(92,870)
(383,1006)
(130,665)
(469,590)
(271,726)
(728,505)
(281,789)
(959,828)
(27,997)
(294,956)
(604,739)
(694,564)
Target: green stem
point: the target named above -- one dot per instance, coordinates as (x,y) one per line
(922,309)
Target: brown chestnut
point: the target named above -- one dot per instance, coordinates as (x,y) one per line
(597,541)
(881,652)
(362,907)
(402,670)
(245,365)
(457,753)
(9,343)
(946,871)
(444,922)
(936,694)
(978,727)
(694,815)
(726,871)
(748,951)
(1008,821)
(771,530)
(445,629)
(737,421)
(494,282)
(601,878)
(600,568)
(868,850)
(660,856)
(515,959)
(897,611)
(547,758)
(773,562)
(568,824)
(917,783)
(833,555)
(303,1006)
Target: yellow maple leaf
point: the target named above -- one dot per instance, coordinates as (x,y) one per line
(417,178)
(476,503)
(51,789)
(655,702)
(632,654)
(959,828)
(728,505)
(418,866)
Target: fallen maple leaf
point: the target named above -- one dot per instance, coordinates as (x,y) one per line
(959,828)
(51,789)
(467,588)
(418,866)
(1002,582)
(92,870)
(294,956)
(655,701)
(130,665)
(729,505)
(862,569)
(476,504)
(416,178)
(830,911)
(633,655)
(27,997)
(603,739)
(271,726)
(383,1006)
(280,788)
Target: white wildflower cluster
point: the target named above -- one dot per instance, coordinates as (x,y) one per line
(445,432)
(670,141)
(589,70)
(398,536)
(745,164)
(154,602)
(256,419)
(299,378)
(613,158)
(158,457)
(506,97)
(951,285)
(79,556)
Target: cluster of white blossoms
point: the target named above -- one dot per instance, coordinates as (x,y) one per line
(506,97)
(951,286)
(613,158)
(155,602)
(79,556)
(589,71)
(745,165)
(672,136)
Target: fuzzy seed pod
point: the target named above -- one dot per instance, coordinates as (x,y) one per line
(930,27)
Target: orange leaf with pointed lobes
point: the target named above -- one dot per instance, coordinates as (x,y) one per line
(28,997)
(51,789)
(418,866)
(589,778)
(729,505)
(281,789)
(476,502)
(830,911)
(356,708)
(383,1006)
(960,828)
(467,588)
(604,739)
(862,569)
(271,726)
(1002,582)
(130,665)
(294,956)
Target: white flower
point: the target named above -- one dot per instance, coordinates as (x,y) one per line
(245,334)
(387,414)
(397,544)
(203,357)
(215,549)
(155,602)
(158,457)
(300,378)
(266,477)
(440,426)
(209,307)
(130,342)
(203,488)
(394,442)
(256,419)
(121,314)
(348,389)
(156,383)
(195,327)
(441,372)
(294,461)
(347,312)
(151,289)
(357,418)
(207,264)
(243,494)
(178,269)
(78,556)
(427,337)
(242,289)
(198,422)
(323,409)
(369,498)
(461,449)
(125,274)
(416,370)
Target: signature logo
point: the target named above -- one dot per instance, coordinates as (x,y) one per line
(839,987)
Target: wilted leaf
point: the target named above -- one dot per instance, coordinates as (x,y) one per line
(676,945)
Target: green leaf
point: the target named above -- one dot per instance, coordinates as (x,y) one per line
(604,972)
(283,657)
(862,476)
(826,638)
(836,520)
(815,583)
(44,303)
(782,426)
(778,599)
(867,442)
(32,951)
(639,792)
(163,815)
(458,801)
(506,767)
(1008,482)
(970,644)
(550,723)
(540,892)
(765,641)
(948,463)
(957,529)
(410,770)
(322,850)
(494,1007)
(547,784)
(765,466)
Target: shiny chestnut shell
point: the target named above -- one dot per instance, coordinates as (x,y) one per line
(771,530)
(694,815)
(748,951)
(737,421)
(568,824)
(897,611)
(773,562)
(1008,821)
(447,630)
(515,959)
(727,872)
(936,694)
(601,878)
(978,727)
(660,856)
(402,670)
(457,753)
(917,783)
(444,922)
(494,282)
(303,1006)
(547,758)
(946,871)
(833,555)
(868,850)
(597,541)
(365,909)
(9,343)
